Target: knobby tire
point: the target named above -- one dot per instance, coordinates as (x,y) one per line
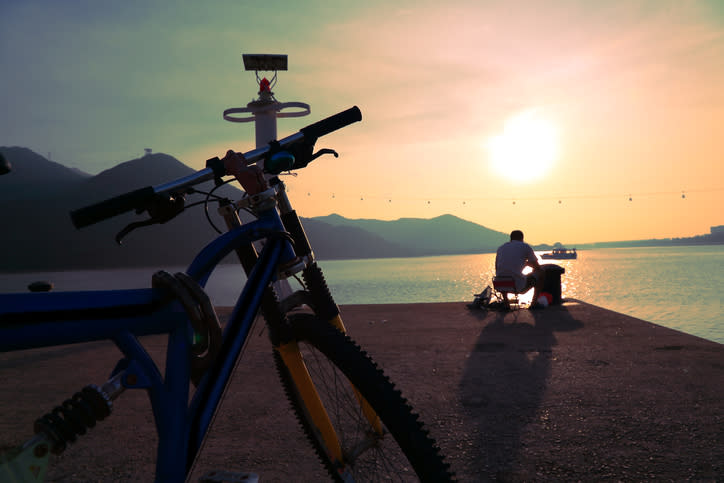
(404,453)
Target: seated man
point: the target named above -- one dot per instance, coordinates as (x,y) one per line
(512,257)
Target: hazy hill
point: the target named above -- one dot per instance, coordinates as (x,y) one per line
(38,234)
(340,242)
(152,169)
(34,177)
(446,234)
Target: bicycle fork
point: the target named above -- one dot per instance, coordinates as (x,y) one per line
(294,362)
(328,309)
(324,304)
(324,307)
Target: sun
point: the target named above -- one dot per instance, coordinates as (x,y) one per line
(526,148)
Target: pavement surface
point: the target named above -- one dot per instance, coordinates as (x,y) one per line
(572,392)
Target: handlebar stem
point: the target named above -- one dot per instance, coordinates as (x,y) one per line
(260,201)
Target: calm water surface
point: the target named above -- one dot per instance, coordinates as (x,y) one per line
(678,287)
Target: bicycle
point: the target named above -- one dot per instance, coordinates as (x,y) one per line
(358,423)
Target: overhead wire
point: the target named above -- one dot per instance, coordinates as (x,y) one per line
(630,196)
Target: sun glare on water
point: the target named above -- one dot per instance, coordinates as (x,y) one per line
(526,148)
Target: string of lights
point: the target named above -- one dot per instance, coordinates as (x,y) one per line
(629,196)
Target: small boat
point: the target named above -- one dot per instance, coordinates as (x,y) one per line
(561,254)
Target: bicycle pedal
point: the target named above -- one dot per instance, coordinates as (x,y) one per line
(229,477)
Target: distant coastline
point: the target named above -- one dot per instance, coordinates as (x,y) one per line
(714,237)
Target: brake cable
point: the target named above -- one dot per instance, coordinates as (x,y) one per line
(206,200)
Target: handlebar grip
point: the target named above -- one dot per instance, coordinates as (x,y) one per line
(332,123)
(89,215)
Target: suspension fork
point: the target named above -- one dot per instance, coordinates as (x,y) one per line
(321,298)
(294,362)
(287,347)
(323,301)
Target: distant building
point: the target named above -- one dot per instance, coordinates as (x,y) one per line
(717,230)
(148,151)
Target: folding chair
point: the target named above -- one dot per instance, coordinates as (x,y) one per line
(503,287)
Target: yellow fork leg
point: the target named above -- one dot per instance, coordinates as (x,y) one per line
(338,324)
(300,375)
(367,410)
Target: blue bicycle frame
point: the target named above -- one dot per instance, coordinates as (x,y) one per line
(40,320)
(31,320)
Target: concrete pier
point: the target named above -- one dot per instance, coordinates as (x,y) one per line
(568,393)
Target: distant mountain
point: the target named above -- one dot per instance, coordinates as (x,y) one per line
(37,196)
(715,237)
(38,235)
(446,234)
(34,177)
(342,242)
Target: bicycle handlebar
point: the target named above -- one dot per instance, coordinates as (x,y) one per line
(332,123)
(140,198)
(134,200)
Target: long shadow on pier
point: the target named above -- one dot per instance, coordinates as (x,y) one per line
(505,379)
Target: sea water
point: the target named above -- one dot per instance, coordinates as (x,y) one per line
(677,287)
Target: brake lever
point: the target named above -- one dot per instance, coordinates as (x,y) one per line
(322,152)
(304,153)
(163,208)
(132,226)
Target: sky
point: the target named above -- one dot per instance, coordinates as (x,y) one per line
(574,121)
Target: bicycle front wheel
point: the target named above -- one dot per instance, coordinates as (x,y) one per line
(394,447)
